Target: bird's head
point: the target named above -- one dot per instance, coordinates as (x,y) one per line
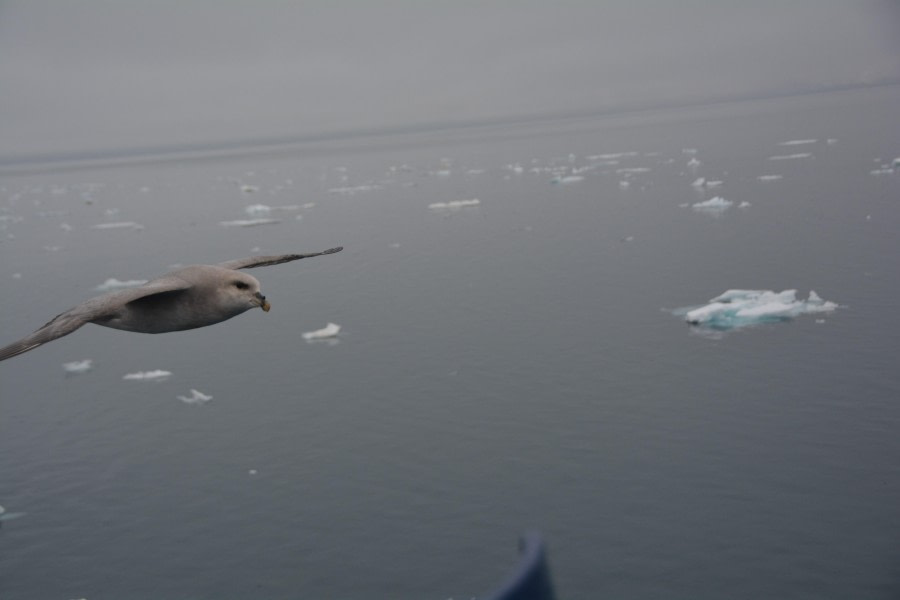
(242,292)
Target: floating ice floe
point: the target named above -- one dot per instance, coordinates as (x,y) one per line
(797,142)
(118,225)
(791,156)
(713,205)
(114,284)
(454,204)
(629,170)
(567,179)
(769,177)
(249,189)
(157,375)
(329,331)
(693,163)
(702,182)
(249,222)
(78,366)
(352,190)
(196,398)
(741,308)
(611,155)
(9,516)
(744,204)
(257,210)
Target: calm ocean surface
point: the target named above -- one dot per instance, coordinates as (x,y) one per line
(509,365)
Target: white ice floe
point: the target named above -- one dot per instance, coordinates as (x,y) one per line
(567,179)
(118,225)
(791,156)
(196,397)
(259,210)
(769,177)
(611,155)
(249,189)
(78,366)
(693,163)
(740,308)
(329,331)
(702,182)
(797,142)
(352,190)
(629,170)
(114,284)
(157,375)
(9,516)
(249,222)
(744,204)
(624,184)
(454,204)
(255,210)
(717,204)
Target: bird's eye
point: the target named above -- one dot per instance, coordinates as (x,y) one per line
(241,285)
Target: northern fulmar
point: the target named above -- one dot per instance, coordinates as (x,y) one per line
(187,298)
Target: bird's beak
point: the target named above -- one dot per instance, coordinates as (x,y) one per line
(263,303)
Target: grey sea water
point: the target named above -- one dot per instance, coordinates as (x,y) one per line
(506,365)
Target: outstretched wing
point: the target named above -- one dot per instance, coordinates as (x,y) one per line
(61,325)
(266,261)
(102,307)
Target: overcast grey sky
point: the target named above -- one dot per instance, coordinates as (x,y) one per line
(98,74)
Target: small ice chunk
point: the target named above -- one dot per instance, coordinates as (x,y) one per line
(712,183)
(627,170)
(740,308)
(8,516)
(249,189)
(716,204)
(611,155)
(454,204)
(791,156)
(249,222)
(353,190)
(831,141)
(118,225)
(156,375)
(567,179)
(693,163)
(769,177)
(624,184)
(255,210)
(699,182)
(114,284)
(66,227)
(744,204)
(329,331)
(196,398)
(896,163)
(797,142)
(78,366)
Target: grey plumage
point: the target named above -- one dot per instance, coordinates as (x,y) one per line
(190,297)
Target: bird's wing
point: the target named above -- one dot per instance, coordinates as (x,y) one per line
(266,261)
(101,307)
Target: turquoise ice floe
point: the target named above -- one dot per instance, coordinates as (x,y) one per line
(741,308)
